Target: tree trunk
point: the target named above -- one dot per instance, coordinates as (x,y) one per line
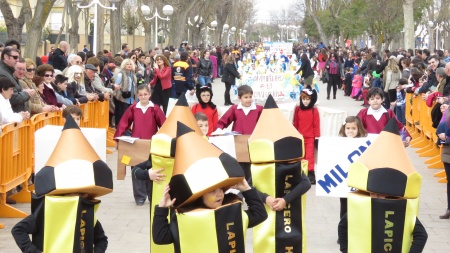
(222,15)
(341,39)
(100,40)
(73,30)
(147,26)
(116,25)
(35,25)
(63,19)
(408,9)
(178,21)
(431,41)
(322,34)
(14,26)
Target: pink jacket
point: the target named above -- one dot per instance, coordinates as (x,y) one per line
(357,81)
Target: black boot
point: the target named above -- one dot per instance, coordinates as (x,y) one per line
(312,177)
(446,215)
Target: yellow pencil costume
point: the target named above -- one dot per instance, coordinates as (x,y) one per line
(194,228)
(67,223)
(162,151)
(382,213)
(276,149)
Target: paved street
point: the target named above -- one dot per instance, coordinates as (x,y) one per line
(127,225)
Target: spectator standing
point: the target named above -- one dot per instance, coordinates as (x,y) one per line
(59,59)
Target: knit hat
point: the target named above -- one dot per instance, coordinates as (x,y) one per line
(205,88)
(313,96)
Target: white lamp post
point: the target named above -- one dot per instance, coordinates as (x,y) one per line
(214,25)
(167,10)
(225,29)
(96,3)
(189,24)
(233,29)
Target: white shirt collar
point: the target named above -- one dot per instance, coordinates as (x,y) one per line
(376,113)
(246,109)
(144,108)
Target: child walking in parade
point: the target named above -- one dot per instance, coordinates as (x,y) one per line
(244,117)
(206,106)
(307,122)
(352,128)
(145,118)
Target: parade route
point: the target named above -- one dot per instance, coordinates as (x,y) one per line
(127,225)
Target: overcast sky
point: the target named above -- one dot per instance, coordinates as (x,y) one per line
(265,6)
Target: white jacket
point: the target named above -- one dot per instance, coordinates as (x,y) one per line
(6,113)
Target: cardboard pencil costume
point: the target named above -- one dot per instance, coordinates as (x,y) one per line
(198,171)
(276,149)
(382,213)
(162,152)
(64,221)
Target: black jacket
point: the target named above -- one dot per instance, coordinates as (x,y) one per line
(59,60)
(205,68)
(306,69)
(230,74)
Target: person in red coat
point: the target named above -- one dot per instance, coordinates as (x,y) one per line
(307,122)
(207,107)
(146,119)
(162,82)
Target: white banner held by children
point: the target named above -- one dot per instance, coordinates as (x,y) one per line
(334,158)
(279,85)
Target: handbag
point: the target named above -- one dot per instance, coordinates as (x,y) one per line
(126,94)
(326,77)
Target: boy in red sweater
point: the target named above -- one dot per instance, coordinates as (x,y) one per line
(146,119)
(375,117)
(244,115)
(307,122)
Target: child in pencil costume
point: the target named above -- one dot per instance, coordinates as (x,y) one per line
(162,152)
(205,220)
(382,213)
(276,149)
(63,210)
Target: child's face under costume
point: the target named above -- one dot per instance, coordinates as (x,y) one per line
(213,199)
(246,99)
(203,125)
(77,118)
(144,96)
(351,129)
(205,96)
(306,101)
(375,102)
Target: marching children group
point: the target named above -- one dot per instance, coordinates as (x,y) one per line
(144,118)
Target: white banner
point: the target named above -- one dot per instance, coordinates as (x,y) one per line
(334,158)
(282,86)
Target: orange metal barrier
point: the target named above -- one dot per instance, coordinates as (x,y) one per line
(419,124)
(16,165)
(17,150)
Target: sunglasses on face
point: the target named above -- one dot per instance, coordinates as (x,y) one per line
(48,75)
(30,70)
(14,56)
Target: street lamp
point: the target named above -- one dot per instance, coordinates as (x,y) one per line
(213,25)
(225,30)
(96,3)
(167,10)
(233,29)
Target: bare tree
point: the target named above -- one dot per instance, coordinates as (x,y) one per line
(14,25)
(73,30)
(115,30)
(178,20)
(63,18)
(408,19)
(311,8)
(35,25)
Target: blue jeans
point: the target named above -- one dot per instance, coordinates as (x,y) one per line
(203,80)
(400,113)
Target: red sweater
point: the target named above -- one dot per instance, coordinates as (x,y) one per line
(307,122)
(165,76)
(144,125)
(373,126)
(244,124)
(212,115)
